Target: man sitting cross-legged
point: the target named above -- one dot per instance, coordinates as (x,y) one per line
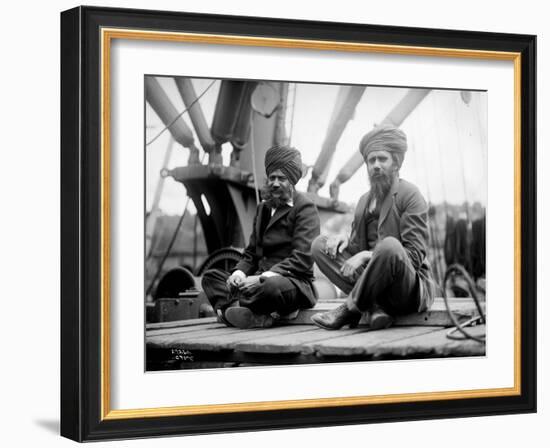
(382,265)
(275,274)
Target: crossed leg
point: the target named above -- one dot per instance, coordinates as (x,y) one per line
(389,280)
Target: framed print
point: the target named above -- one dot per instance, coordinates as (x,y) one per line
(279,224)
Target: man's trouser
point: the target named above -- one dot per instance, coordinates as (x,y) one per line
(272,294)
(389,279)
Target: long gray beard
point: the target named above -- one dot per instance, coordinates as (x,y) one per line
(380,185)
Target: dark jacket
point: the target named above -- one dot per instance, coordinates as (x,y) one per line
(285,247)
(403,215)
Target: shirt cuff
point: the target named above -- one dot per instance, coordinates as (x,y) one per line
(268,274)
(239,273)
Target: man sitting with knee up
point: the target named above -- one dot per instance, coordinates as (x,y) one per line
(275,275)
(382,264)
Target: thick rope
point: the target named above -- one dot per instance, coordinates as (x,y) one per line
(460,327)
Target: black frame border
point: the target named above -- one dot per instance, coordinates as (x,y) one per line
(81,223)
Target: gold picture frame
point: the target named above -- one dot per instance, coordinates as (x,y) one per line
(89,395)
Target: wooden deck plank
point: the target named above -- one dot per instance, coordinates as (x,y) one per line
(198,333)
(437,315)
(180,323)
(218,339)
(176,330)
(464,309)
(367,342)
(178,339)
(299,343)
(436,344)
(295,339)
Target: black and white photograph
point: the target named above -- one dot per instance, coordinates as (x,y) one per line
(305,223)
(272,223)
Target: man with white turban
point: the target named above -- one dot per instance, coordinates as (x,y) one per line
(382,263)
(274,277)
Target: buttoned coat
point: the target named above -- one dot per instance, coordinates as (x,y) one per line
(285,246)
(403,215)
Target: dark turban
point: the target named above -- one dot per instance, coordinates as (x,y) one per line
(385,138)
(286,159)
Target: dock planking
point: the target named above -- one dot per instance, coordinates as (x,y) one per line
(299,343)
(463,309)
(176,338)
(302,342)
(307,340)
(218,339)
(179,330)
(180,323)
(436,344)
(368,343)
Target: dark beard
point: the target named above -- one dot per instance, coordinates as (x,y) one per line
(275,202)
(380,185)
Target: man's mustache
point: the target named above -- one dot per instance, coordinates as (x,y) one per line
(380,175)
(276,194)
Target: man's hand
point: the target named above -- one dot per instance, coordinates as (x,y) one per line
(235,280)
(336,245)
(352,264)
(249,284)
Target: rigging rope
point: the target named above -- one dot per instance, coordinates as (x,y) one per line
(253,152)
(433,232)
(481,134)
(172,241)
(439,156)
(292,115)
(460,327)
(181,113)
(460,152)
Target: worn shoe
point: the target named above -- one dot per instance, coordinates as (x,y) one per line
(337,318)
(220,314)
(379,319)
(282,318)
(221,318)
(243,318)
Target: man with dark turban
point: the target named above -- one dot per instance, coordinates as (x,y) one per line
(382,264)
(273,280)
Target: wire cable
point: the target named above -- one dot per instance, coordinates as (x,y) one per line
(181,113)
(171,244)
(253,152)
(292,115)
(460,327)
(438,263)
(461,155)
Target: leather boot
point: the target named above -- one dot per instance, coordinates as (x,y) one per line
(337,318)
(220,313)
(221,318)
(379,319)
(242,317)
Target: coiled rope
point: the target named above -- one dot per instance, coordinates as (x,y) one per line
(453,270)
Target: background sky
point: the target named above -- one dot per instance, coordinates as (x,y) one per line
(447,138)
